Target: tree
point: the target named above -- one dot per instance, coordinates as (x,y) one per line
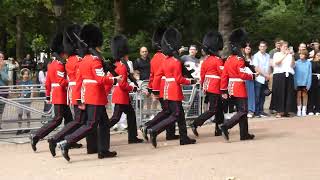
(225,22)
(118,16)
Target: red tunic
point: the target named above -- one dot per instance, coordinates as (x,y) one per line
(155,64)
(233,77)
(93,81)
(121,91)
(56,83)
(72,66)
(172,70)
(210,74)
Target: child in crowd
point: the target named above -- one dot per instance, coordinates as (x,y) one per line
(302,82)
(25,94)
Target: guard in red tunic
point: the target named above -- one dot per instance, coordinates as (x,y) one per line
(210,74)
(56,92)
(172,70)
(92,80)
(70,47)
(233,84)
(120,96)
(155,64)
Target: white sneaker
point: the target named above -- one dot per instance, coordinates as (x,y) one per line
(311,114)
(317,114)
(304,113)
(299,113)
(250,115)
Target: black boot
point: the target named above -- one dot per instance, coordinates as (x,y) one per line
(194,129)
(172,137)
(224,131)
(217,132)
(187,140)
(63,145)
(247,137)
(135,141)
(107,154)
(153,138)
(145,133)
(19,132)
(52,147)
(34,140)
(76,146)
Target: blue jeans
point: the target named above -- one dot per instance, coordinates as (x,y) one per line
(251,96)
(260,97)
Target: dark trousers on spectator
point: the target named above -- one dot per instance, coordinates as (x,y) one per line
(240,117)
(215,108)
(165,113)
(176,115)
(314,96)
(131,119)
(260,97)
(61,111)
(96,122)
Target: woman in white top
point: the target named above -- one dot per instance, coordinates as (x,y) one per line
(283,93)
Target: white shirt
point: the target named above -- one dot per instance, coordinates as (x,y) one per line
(284,66)
(262,62)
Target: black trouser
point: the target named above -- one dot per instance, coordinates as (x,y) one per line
(215,108)
(177,115)
(314,96)
(96,116)
(72,126)
(240,117)
(165,113)
(61,111)
(131,119)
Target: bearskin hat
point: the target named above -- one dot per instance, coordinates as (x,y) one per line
(238,39)
(171,41)
(57,43)
(212,42)
(156,38)
(70,42)
(119,46)
(91,35)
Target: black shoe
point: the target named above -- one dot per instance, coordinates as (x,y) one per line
(26,131)
(107,154)
(217,132)
(64,149)
(52,147)
(135,141)
(75,146)
(224,131)
(145,133)
(194,129)
(153,139)
(19,132)
(247,137)
(33,140)
(90,151)
(187,141)
(174,137)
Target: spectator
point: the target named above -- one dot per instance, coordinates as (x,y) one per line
(315,47)
(142,64)
(302,82)
(13,66)
(261,61)
(283,98)
(25,94)
(277,44)
(250,83)
(28,63)
(314,92)
(192,62)
(3,82)
(302,47)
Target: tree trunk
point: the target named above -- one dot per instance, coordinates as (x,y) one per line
(225,23)
(3,38)
(19,38)
(118,17)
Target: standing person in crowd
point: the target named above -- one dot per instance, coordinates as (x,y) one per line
(192,62)
(56,92)
(142,64)
(25,94)
(233,85)
(156,62)
(13,66)
(172,70)
(315,45)
(283,98)
(210,76)
(250,83)
(302,47)
(277,45)
(302,82)
(27,62)
(314,93)
(120,96)
(261,61)
(3,82)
